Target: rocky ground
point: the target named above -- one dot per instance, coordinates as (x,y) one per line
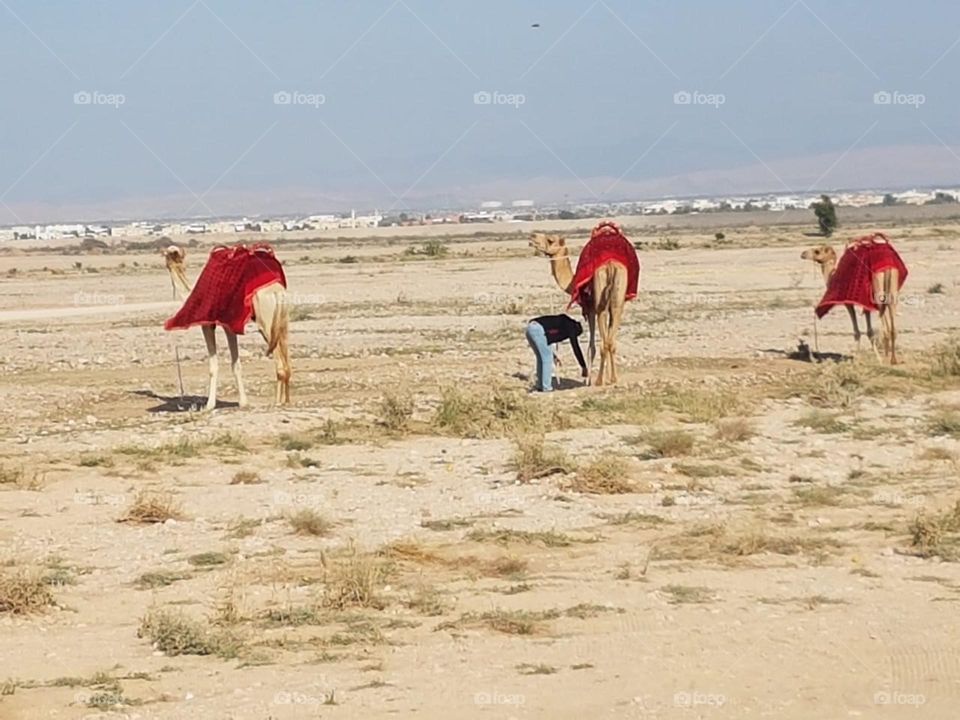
(730,532)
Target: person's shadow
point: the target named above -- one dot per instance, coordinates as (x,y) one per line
(179,403)
(564,384)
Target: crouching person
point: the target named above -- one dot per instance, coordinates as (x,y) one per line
(547,330)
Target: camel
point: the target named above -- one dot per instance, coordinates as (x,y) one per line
(271,314)
(609,286)
(886,287)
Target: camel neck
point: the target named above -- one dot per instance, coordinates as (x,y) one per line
(181,288)
(562,271)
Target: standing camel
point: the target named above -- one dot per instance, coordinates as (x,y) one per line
(269,311)
(869,274)
(602,297)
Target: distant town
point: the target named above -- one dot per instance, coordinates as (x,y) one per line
(517,211)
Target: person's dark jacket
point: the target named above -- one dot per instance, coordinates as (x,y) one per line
(563,327)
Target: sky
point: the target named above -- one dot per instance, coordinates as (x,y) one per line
(116,109)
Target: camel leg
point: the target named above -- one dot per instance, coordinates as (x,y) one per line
(235,366)
(892,288)
(871,335)
(601,306)
(210,337)
(272,316)
(616,297)
(856,328)
(592,350)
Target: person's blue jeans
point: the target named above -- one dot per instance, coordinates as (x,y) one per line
(537,337)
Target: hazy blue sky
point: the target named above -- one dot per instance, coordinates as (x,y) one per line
(400,126)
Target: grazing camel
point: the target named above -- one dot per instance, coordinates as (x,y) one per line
(885,288)
(604,307)
(270,312)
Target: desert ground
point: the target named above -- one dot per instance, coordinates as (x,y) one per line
(732,531)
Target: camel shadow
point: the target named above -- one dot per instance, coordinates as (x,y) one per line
(803,353)
(179,403)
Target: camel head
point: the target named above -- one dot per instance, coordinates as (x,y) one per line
(822,255)
(548,245)
(174,256)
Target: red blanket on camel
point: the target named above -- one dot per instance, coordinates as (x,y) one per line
(852,280)
(223,294)
(607,243)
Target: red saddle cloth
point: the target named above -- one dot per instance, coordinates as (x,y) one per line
(852,281)
(607,244)
(223,294)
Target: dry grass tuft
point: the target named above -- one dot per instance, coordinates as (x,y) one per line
(735,430)
(23,592)
(822,422)
(503,412)
(826,496)
(310,522)
(937,453)
(666,443)
(354,581)
(945,359)
(396,411)
(508,622)
(547,538)
(533,460)
(22,478)
(152,507)
(945,422)
(688,594)
(718,543)
(173,633)
(937,535)
(603,476)
(246,477)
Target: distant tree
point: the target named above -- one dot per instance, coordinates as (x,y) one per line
(826,214)
(567,215)
(889,200)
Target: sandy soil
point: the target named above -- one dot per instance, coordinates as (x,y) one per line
(759,564)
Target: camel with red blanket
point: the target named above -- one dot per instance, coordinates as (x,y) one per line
(237,284)
(869,274)
(607,275)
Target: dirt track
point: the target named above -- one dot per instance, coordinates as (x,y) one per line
(764,569)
